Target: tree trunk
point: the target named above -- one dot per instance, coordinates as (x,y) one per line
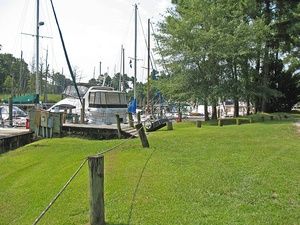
(206,118)
(256,98)
(236,107)
(266,65)
(214,111)
(248,105)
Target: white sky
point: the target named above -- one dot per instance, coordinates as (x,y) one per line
(93,31)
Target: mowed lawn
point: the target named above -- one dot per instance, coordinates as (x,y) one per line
(247,174)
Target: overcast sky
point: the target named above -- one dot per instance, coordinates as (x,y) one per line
(93,31)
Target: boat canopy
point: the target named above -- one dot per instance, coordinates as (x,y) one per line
(25,99)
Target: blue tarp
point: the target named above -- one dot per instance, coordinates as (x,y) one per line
(132,106)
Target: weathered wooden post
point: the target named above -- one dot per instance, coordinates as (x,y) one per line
(238,121)
(139,127)
(139,117)
(10,111)
(169,125)
(96,168)
(180,117)
(220,122)
(119,126)
(130,118)
(82,114)
(198,123)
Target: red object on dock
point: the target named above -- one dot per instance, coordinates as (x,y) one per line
(27,124)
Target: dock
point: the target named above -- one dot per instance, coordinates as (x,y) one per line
(12,138)
(94,131)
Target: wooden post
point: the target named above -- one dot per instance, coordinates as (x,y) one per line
(198,123)
(82,112)
(220,122)
(238,122)
(139,127)
(10,111)
(180,117)
(119,126)
(130,118)
(139,117)
(169,125)
(96,168)
(250,120)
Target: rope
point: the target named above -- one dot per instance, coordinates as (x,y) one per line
(153,65)
(160,51)
(137,186)
(59,193)
(74,175)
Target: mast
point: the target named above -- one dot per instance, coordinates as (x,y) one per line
(121,61)
(21,74)
(100,68)
(46,77)
(123,73)
(135,49)
(37,80)
(148,70)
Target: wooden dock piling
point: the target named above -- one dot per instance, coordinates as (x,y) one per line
(96,173)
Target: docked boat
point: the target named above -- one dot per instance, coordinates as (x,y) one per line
(101,104)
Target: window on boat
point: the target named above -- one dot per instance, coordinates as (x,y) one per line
(97,98)
(92,98)
(123,99)
(112,98)
(103,98)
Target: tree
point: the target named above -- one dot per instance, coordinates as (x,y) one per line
(8,83)
(210,44)
(17,69)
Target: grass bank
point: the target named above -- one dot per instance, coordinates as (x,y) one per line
(248,174)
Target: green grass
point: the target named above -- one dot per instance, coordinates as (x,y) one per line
(248,174)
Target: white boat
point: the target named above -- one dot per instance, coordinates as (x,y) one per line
(101,104)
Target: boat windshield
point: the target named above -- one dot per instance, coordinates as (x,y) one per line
(71,91)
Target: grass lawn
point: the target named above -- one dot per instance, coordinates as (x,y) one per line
(247,174)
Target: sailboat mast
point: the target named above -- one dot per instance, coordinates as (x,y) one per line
(148,70)
(46,78)
(120,77)
(123,73)
(37,80)
(135,49)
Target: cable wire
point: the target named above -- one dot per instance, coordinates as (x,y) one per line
(42,214)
